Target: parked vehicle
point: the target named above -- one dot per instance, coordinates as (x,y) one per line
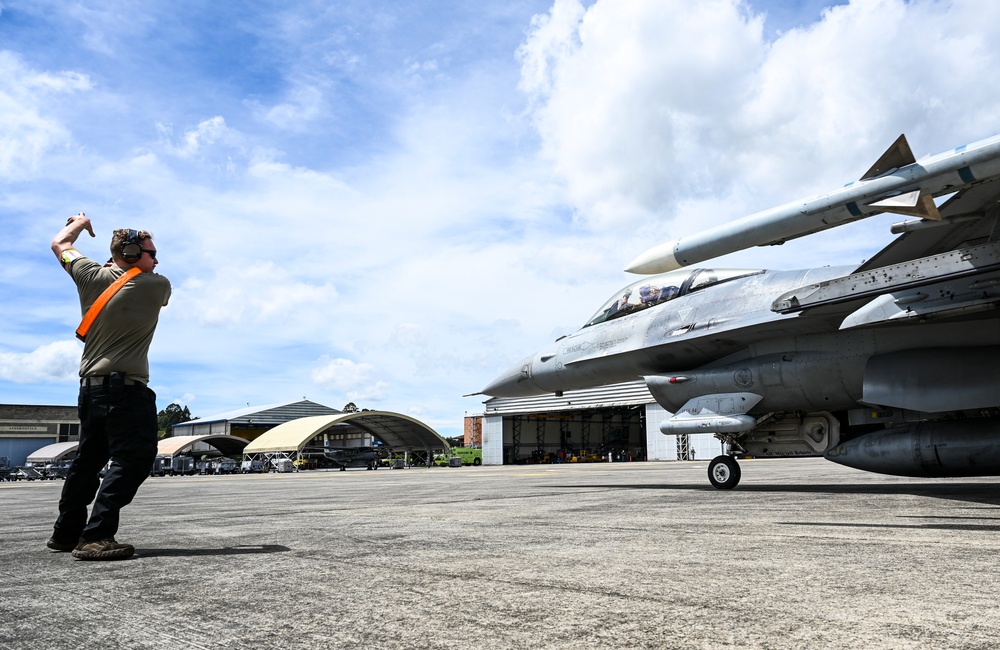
(160,466)
(181,466)
(56,470)
(172,466)
(468,456)
(251,467)
(25,474)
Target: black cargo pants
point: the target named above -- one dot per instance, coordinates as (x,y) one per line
(117,423)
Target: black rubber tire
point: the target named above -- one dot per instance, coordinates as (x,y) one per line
(724,472)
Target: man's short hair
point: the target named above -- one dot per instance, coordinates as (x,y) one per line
(120,236)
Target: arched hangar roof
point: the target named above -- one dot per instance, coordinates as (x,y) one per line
(252,417)
(227,445)
(392,429)
(53,452)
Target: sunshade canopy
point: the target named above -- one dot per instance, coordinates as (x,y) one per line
(227,445)
(52,453)
(392,429)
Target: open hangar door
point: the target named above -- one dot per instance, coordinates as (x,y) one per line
(588,425)
(615,433)
(621,420)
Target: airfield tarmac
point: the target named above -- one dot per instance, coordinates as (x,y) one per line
(804,553)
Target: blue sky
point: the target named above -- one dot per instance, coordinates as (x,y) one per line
(390,202)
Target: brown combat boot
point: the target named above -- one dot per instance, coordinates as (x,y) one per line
(105,549)
(56,545)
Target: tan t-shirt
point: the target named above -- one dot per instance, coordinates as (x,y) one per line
(119,339)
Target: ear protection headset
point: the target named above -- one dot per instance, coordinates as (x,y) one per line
(131,249)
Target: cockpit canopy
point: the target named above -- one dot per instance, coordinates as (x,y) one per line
(657,289)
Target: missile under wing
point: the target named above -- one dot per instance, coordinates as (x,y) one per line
(892,367)
(897,182)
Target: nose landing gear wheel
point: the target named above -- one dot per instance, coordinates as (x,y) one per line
(724,472)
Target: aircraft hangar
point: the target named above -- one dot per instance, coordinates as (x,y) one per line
(621,420)
(223,445)
(398,432)
(212,444)
(252,421)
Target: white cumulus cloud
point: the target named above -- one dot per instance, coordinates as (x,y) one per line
(55,362)
(27,131)
(352,379)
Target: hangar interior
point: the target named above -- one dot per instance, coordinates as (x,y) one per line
(616,423)
(576,436)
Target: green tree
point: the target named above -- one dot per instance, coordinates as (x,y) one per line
(168,417)
(350,407)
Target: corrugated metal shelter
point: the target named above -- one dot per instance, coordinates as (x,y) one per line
(632,393)
(54,452)
(225,445)
(399,432)
(250,422)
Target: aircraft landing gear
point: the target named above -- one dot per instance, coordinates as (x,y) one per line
(724,472)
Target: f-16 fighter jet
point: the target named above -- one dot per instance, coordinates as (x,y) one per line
(890,367)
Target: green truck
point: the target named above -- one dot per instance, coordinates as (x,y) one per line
(469,456)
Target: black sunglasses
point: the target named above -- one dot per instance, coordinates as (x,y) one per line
(151,251)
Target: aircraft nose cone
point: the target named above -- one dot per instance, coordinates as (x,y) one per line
(514,382)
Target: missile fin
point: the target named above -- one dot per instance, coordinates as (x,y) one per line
(897,155)
(911,204)
(907,200)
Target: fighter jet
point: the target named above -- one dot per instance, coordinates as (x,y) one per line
(344,457)
(892,366)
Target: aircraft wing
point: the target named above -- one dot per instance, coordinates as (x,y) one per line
(969,218)
(944,269)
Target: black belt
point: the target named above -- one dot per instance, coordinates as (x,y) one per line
(104,380)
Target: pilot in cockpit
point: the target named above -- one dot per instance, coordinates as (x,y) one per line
(621,305)
(649,293)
